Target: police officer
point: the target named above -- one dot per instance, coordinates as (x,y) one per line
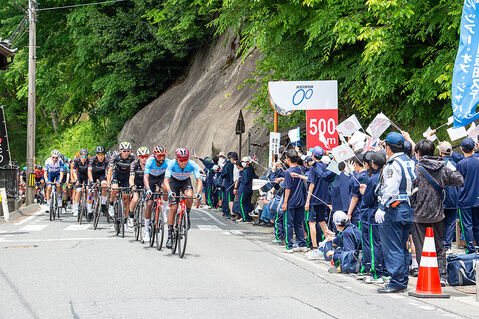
(395,214)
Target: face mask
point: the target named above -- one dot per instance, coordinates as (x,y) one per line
(221,162)
(243,164)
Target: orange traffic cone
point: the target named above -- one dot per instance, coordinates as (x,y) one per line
(428,282)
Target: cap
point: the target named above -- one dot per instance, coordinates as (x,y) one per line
(216,167)
(318,151)
(378,158)
(308,159)
(467,144)
(445,147)
(394,138)
(222,154)
(339,217)
(367,156)
(246,159)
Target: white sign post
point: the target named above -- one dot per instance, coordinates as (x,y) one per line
(6,213)
(274,142)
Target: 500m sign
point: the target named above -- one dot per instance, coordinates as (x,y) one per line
(321,128)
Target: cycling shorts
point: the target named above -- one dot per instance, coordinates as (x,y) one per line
(154,181)
(98,177)
(39,180)
(178,187)
(53,177)
(81,180)
(123,180)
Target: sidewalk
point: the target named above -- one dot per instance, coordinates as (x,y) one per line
(23,212)
(462,302)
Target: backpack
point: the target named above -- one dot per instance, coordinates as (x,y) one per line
(460,269)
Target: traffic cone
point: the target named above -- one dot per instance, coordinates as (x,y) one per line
(428,282)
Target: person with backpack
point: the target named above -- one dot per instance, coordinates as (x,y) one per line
(432,177)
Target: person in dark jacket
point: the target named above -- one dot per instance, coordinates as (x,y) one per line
(245,189)
(432,177)
(228,184)
(348,238)
(450,203)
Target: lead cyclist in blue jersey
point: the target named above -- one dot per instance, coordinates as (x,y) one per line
(177,179)
(54,174)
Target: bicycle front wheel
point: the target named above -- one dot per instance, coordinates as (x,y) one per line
(116,218)
(160,231)
(52,210)
(96,218)
(182,235)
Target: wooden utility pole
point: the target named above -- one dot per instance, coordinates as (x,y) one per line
(32,57)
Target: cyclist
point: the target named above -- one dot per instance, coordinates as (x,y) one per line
(154,176)
(80,177)
(65,183)
(136,178)
(177,179)
(97,168)
(53,173)
(118,176)
(39,180)
(72,177)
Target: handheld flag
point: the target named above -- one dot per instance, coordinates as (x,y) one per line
(333,167)
(379,125)
(465,77)
(342,153)
(371,144)
(294,135)
(456,133)
(425,134)
(349,126)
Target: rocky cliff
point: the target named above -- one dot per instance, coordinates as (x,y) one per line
(201,112)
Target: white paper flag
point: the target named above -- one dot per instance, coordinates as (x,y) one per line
(258,183)
(425,134)
(456,133)
(379,125)
(342,153)
(473,131)
(294,135)
(450,120)
(333,167)
(349,126)
(357,137)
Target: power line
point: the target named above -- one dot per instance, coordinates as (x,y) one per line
(80,5)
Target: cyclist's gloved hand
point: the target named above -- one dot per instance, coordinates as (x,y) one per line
(198,196)
(171,194)
(148,193)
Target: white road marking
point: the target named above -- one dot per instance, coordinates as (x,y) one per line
(3,232)
(227,233)
(3,240)
(33,227)
(208,227)
(427,307)
(78,227)
(29,218)
(212,217)
(236,232)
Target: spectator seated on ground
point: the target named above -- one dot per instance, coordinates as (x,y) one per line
(263,211)
(347,242)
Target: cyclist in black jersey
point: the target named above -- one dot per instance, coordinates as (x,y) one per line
(97,168)
(119,173)
(80,177)
(137,169)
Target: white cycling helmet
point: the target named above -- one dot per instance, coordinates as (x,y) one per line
(56,153)
(125,146)
(143,151)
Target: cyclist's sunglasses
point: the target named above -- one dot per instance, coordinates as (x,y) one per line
(144,156)
(182,160)
(84,156)
(160,156)
(125,151)
(54,157)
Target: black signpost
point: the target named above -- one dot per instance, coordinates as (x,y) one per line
(4,147)
(240,129)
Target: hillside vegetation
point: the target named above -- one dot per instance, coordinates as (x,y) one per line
(111,60)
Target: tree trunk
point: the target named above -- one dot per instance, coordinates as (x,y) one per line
(54,121)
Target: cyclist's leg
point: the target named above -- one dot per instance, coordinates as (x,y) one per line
(134,201)
(188,191)
(175,187)
(49,187)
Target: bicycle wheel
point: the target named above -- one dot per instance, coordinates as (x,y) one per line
(141,224)
(175,234)
(52,211)
(153,225)
(116,217)
(59,209)
(182,235)
(160,231)
(121,211)
(96,218)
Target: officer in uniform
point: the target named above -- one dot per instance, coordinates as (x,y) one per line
(395,214)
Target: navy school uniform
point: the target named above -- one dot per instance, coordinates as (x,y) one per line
(340,192)
(294,215)
(372,246)
(228,186)
(245,190)
(468,201)
(358,213)
(306,171)
(321,178)
(347,240)
(276,204)
(450,210)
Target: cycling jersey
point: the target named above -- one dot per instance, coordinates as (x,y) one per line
(39,173)
(53,167)
(96,167)
(137,171)
(176,172)
(152,168)
(122,165)
(81,168)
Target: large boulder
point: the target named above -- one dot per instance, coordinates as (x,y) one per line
(201,112)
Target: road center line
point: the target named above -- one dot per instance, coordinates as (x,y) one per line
(212,217)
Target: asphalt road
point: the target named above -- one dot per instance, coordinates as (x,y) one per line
(62,270)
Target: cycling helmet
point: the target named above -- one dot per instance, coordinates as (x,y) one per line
(56,153)
(159,150)
(142,151)
(100,150)
(40,167)
(108,155)
(125,146)
(116,153)
(84,151)
(182,153)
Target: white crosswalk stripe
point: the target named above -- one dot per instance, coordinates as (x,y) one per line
(208,227)
(33,227)
(78,227)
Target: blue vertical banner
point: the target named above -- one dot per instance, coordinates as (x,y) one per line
(465,78)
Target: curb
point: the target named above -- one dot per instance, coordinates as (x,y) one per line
(23,212)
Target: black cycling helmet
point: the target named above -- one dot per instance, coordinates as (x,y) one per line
(100,150)
(84,151)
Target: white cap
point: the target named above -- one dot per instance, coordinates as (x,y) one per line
(326,159)
(222,154)
(216,167)
(246,159)
(339,217)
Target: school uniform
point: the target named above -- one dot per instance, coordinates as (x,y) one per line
(294,215)
(340,193)
(347,240)
(468,201)
(276,205)
(358,213)
(228,187)
(245,190)
(450,210)
(320,177)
